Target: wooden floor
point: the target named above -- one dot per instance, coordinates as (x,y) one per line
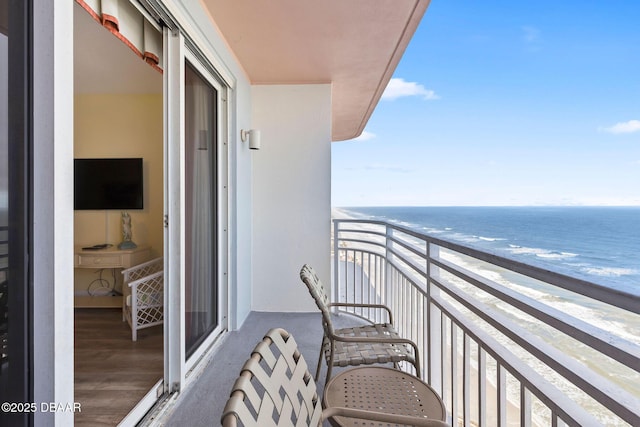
(112,373)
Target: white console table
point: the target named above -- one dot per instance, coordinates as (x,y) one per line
(107,258)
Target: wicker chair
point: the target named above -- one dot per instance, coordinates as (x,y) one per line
(275,388)
(143,299)
(358,345)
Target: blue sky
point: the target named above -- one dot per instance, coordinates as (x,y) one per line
(505,103)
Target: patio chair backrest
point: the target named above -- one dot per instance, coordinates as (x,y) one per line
(274,387)
(314,284)
(141,270)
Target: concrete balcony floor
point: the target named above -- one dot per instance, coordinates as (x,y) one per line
(202,402)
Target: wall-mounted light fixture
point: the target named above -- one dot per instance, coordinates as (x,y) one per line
(253,135)
(203,140)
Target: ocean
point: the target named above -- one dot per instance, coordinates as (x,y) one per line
(597,244)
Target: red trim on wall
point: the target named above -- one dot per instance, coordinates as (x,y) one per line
(151,58)
(90,11)
(124,40)
(111,23)
(156,67)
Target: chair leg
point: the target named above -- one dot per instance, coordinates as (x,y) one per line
(416,365)
(319,360)
(329,366)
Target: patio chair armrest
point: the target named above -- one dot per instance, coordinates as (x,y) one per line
(144,264)
(363,305)
(382,417)
(136,282)
(389,340)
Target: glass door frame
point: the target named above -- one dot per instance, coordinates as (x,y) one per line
(222,207)
(18,382)
(177,51)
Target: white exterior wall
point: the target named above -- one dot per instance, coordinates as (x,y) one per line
(291,193)
(240,217)
(53,210)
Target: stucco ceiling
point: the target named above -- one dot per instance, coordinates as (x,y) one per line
(353,44)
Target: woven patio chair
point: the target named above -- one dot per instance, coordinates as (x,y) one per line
(275,388)
(357,345)
(143,296)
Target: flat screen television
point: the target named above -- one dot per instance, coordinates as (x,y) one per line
(108,184)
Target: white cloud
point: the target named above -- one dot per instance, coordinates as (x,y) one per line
(398,88)
(382,168)
(531,38)
(623,127)
(387,168)
(530,34)
(365,136)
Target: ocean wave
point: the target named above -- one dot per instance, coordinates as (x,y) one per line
(465,238)
(406,224)
(490,239)
(610,271)
(540,253)
(430,230)
(524,250)
(402,223)
(604,318)
(557,255)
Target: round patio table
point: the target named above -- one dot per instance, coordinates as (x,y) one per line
(380,389)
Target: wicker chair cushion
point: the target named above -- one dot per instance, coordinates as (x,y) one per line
(353,354)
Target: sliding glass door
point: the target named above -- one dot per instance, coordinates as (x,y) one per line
(16,342)
(196,205)
(201,209)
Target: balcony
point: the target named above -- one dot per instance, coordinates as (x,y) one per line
(504,343)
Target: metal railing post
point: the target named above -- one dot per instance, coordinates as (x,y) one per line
(434,327)
(336,260)
(387,256)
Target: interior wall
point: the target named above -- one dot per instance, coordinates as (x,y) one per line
(121,125)
(291,193)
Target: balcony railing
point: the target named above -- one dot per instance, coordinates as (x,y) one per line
(504,343)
